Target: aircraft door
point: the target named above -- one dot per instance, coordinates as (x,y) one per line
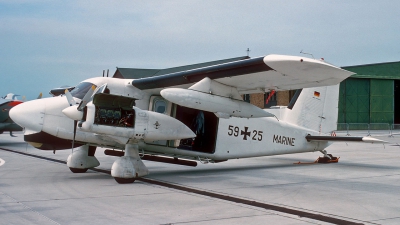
(203,124)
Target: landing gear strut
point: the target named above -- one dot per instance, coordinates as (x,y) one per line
(129,167)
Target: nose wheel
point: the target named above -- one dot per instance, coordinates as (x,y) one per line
(82,159)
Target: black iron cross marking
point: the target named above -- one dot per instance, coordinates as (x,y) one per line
(245,133)
(157,124)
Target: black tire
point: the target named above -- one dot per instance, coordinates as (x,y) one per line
(323,160)
(124,180)
(77,170)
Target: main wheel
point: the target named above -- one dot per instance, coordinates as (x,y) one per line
(124,180)
(77,170)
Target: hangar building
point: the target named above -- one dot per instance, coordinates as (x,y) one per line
(372,95)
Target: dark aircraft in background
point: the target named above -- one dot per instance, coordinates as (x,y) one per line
(6,123)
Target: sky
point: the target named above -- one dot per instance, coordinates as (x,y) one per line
(47,44)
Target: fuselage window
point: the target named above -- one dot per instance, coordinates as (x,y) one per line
(160,106)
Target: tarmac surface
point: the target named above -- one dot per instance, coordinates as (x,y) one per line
(36,187)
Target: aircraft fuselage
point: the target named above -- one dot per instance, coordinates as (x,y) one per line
(48,128)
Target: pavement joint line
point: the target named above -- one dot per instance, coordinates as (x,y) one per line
(29,208)
(314,216)
(236,217)
(392,218)
(89,197)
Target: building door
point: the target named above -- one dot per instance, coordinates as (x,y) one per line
(382,101)
(356,101)
(397,101)
(364,101)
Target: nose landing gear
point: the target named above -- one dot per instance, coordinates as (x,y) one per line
(82,159)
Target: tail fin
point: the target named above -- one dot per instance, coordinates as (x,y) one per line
(315,109)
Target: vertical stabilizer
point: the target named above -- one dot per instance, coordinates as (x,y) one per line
(315,109)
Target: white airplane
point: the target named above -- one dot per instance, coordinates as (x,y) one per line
(189,116)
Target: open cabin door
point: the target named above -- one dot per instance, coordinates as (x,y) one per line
(203,124)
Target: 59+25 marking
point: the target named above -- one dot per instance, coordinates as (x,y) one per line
(255,134)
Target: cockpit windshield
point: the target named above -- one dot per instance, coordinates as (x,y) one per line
(81,89)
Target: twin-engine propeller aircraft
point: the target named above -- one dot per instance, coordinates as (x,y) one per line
(188,116)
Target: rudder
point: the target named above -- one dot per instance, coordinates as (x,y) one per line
(315,109)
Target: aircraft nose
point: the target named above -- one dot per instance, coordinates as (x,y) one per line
(29,114)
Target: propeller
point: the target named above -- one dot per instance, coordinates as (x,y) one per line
(76,112)
(87,98)
(73,140)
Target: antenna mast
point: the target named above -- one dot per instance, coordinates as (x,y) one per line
(307,53)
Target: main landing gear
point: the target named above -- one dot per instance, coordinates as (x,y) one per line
(328,158)
(129,167)
(82,159)
(124,170)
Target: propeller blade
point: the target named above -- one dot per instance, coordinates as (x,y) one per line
(87,98)
(99,90)
(73,140)
(70,99)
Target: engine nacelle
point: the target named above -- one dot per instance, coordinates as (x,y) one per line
(127,121)
(213,103)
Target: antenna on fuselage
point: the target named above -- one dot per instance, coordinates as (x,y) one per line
(307,53)
(107,72)
(248,51)
(103,72)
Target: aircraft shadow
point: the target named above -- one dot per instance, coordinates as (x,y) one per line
(213,171)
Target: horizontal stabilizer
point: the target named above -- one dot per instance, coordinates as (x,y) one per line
(344,139)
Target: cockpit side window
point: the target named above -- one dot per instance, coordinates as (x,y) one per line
(81,89)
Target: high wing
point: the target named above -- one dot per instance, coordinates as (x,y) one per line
(271,72)
(218,88)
